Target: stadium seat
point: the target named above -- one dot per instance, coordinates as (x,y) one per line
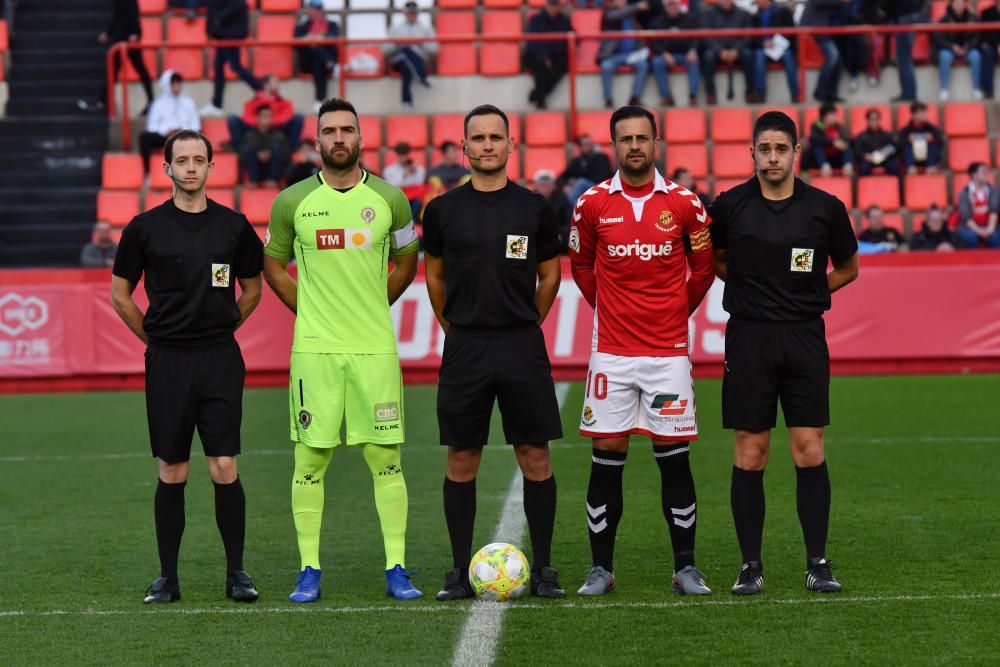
(878,190)
(693,157)
(276,60)
(586,57)
(812,113)
(514,121)
(545,128)
(812,57)
(371,160)
(964,119)
(595,124)
(152,6)
(216,130)
(723,184)
(456,60)
(188,62)
(411,129)
(922,190)
(586,21)
(859,117)
(158,180)
(117,206)
(838,186)
(514,165)
(731,161)
(502,3)
(963,151)
(364,61)
(455,4)
(149,58)
(255,204)
(121,171)
(684,126)
(280,6)
(226,171)
(938,9)
(732,124)
(903,115)
(959,181)
(181,32)
(553,159)
(447,127)
(371,131)
(224,196)
(4,37)
(500,59)
(309,127)
(152,30)
(456,23)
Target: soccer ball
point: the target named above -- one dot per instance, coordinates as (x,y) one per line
(499,571)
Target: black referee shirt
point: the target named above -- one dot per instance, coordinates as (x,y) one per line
(491,243)
(777,251)
(191,262)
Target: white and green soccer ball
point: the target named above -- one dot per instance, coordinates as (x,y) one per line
(499,571)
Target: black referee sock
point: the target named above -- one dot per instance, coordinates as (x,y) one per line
(168,511)
(230,516)
(460,515)
(747,498)
(677,497)
(812,496)
(540,511)
(604,505)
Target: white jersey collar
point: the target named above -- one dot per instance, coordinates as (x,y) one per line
(659,183)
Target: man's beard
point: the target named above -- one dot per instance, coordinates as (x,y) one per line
(641,170)
(340,164)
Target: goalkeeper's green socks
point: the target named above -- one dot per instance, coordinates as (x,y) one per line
(390,499)
(307,500)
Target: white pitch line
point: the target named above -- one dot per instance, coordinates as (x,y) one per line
(534,606)
(478,642)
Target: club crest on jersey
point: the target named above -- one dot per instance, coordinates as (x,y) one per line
(305,419)
(665,223)
(368,214)
(517,246)
(588,416)
(802,260)
(574,239)
(220,275)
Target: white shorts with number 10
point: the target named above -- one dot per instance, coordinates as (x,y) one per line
(651,396)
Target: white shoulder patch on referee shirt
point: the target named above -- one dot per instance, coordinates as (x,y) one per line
(405,236)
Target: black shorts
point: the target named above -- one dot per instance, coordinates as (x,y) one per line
(768,361)
(513,369)
(189,388)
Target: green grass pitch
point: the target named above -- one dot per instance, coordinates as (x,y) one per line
(915,466)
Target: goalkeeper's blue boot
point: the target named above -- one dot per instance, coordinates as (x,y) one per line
(307,587)
(397,584)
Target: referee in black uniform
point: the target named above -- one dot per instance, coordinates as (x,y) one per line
(773,237)
(485,244)
(192,251)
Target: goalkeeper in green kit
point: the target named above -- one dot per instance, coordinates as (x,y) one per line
(341,225)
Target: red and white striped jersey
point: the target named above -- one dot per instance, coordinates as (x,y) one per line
(629,260)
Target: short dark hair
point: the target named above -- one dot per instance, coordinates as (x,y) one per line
(873,207)
(486,110)
(184,135)
(337,104)
(631,111)
(264,107)
(827,107)
(974,167)
(678,172)
(176,77)
(917,106)
(872,110)
(777,121)
(445,145)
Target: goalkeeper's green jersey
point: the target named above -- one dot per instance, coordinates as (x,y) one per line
(341,241)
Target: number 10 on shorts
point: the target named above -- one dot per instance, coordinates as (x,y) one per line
(599,381)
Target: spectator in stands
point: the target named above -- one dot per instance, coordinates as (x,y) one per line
(877,235)
(682,177)
(546,61)
(450,172)
(124,27)
(407,175)
(824,13)
(828,145)
(264,151)
(227,19)
(990,49)
(978,205)
(727,51)
(190,7)
(589,167)
(855,50)
(170,112)
(960,44)
(319,59)
(306,162)
(774,49)
(922,143)
(620,16)
(933,234)
(905,12)
(100,252)
(283,116)
(410,60)
(875,147)
(668,53)
(545,185)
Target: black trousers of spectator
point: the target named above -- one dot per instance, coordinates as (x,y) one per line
(135,56)
(259,170)
(546,76)
(231,55)
(710,63)
(318,61)
(147,142)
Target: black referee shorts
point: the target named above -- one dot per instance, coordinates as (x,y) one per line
(767,362)
(513,369)
(194,388)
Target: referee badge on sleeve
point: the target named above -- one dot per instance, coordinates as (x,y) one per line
(517,246)
(802,260)
(220,275)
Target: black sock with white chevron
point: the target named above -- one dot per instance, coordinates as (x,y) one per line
(678,499)
(812,495)
(604,505)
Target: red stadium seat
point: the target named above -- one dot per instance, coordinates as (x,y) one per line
(371,160)
(447,127)
(276,60)
(586,57)
(152,30)
(723,184)
(117,206)
(456,23)
(371,131)
(216,130)
(182,32)
(121,171)
(309,127)
(502,3)
(503,23)
(959,181)
(732,124)
(964,119)
(224,196)
(595,124)
(731,161)
(878,190)
(553,159)
(838,186)
(903,115)
(938,9)
(255,204)
(922,190)
(586,20)
(158,180)
(813,56)
(456,60)
(152,6)
(514,165)
(370,56)
(149,58)
(963,151)
(455,4)
(275,27)
(4,37)
(279,6)
(188,62)
(859,117)
(545,128)
(693,157)
(411,129)
(500,59)
(684,126)
(226,171)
